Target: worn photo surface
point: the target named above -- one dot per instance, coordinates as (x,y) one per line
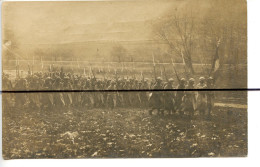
(124,79)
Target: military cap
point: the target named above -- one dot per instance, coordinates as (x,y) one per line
(201,78)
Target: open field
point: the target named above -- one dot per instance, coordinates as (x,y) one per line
(81,133)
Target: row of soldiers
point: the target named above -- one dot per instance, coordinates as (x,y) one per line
(123,92)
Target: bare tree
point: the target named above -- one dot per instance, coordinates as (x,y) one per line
(179,33)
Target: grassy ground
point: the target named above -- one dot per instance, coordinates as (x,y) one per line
(81,133)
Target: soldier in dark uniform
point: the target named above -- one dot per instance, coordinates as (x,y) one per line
(131,94)
(47,98)
(169,97)
(179,96)
(155,98)
(67,95)
(74,81)
(106,83)
(111,96)
(85,95)
(119,86)
(139,94)
(35,85)
(135,94)
(58,97)
(144,94)
(20,98)
(201,96)
(210,95)
(190,97)
(7,86)
(126,97)
(99,95)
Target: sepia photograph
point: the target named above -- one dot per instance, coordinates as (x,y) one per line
(124,79)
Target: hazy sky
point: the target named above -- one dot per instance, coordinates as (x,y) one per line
(62,22)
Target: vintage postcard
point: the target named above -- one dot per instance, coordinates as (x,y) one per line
(124,79)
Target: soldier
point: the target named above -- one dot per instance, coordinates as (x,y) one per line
(76,96)
(135,94)
(126,97)
(7,86)
(201,96)
(111,96)
(210,95)
(106,84)
(58,97)
(131,94)
(47,98)
(20,98)
(34,97)
(155,98)
(169,97)
(67,95)
(179,96)
(144,94)
(85,95)
(99,95)
(119,86)
(190,97)
(139,94)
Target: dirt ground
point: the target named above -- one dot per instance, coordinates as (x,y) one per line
(122,133)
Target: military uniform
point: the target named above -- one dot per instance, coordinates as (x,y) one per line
(112,96)
(7,86)
(47,98)
(179,96)
(58,97)
(155,98)
(190,98)
(169,97)
(126,97)
(144,94)
(210,95)
(201,96)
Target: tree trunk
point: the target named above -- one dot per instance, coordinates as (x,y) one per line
(188,63)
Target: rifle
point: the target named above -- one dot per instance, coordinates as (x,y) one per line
(33,64)
(61,72)
(78,63)
(154,71)
(116,74)
(175,72)
(92,73)
(165,73)
(142,76)
(104,75)
(89,72)
(16,69)
(133,69)
(122,66)
(42,64)
(108,67)
(29,70)
(84,71)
